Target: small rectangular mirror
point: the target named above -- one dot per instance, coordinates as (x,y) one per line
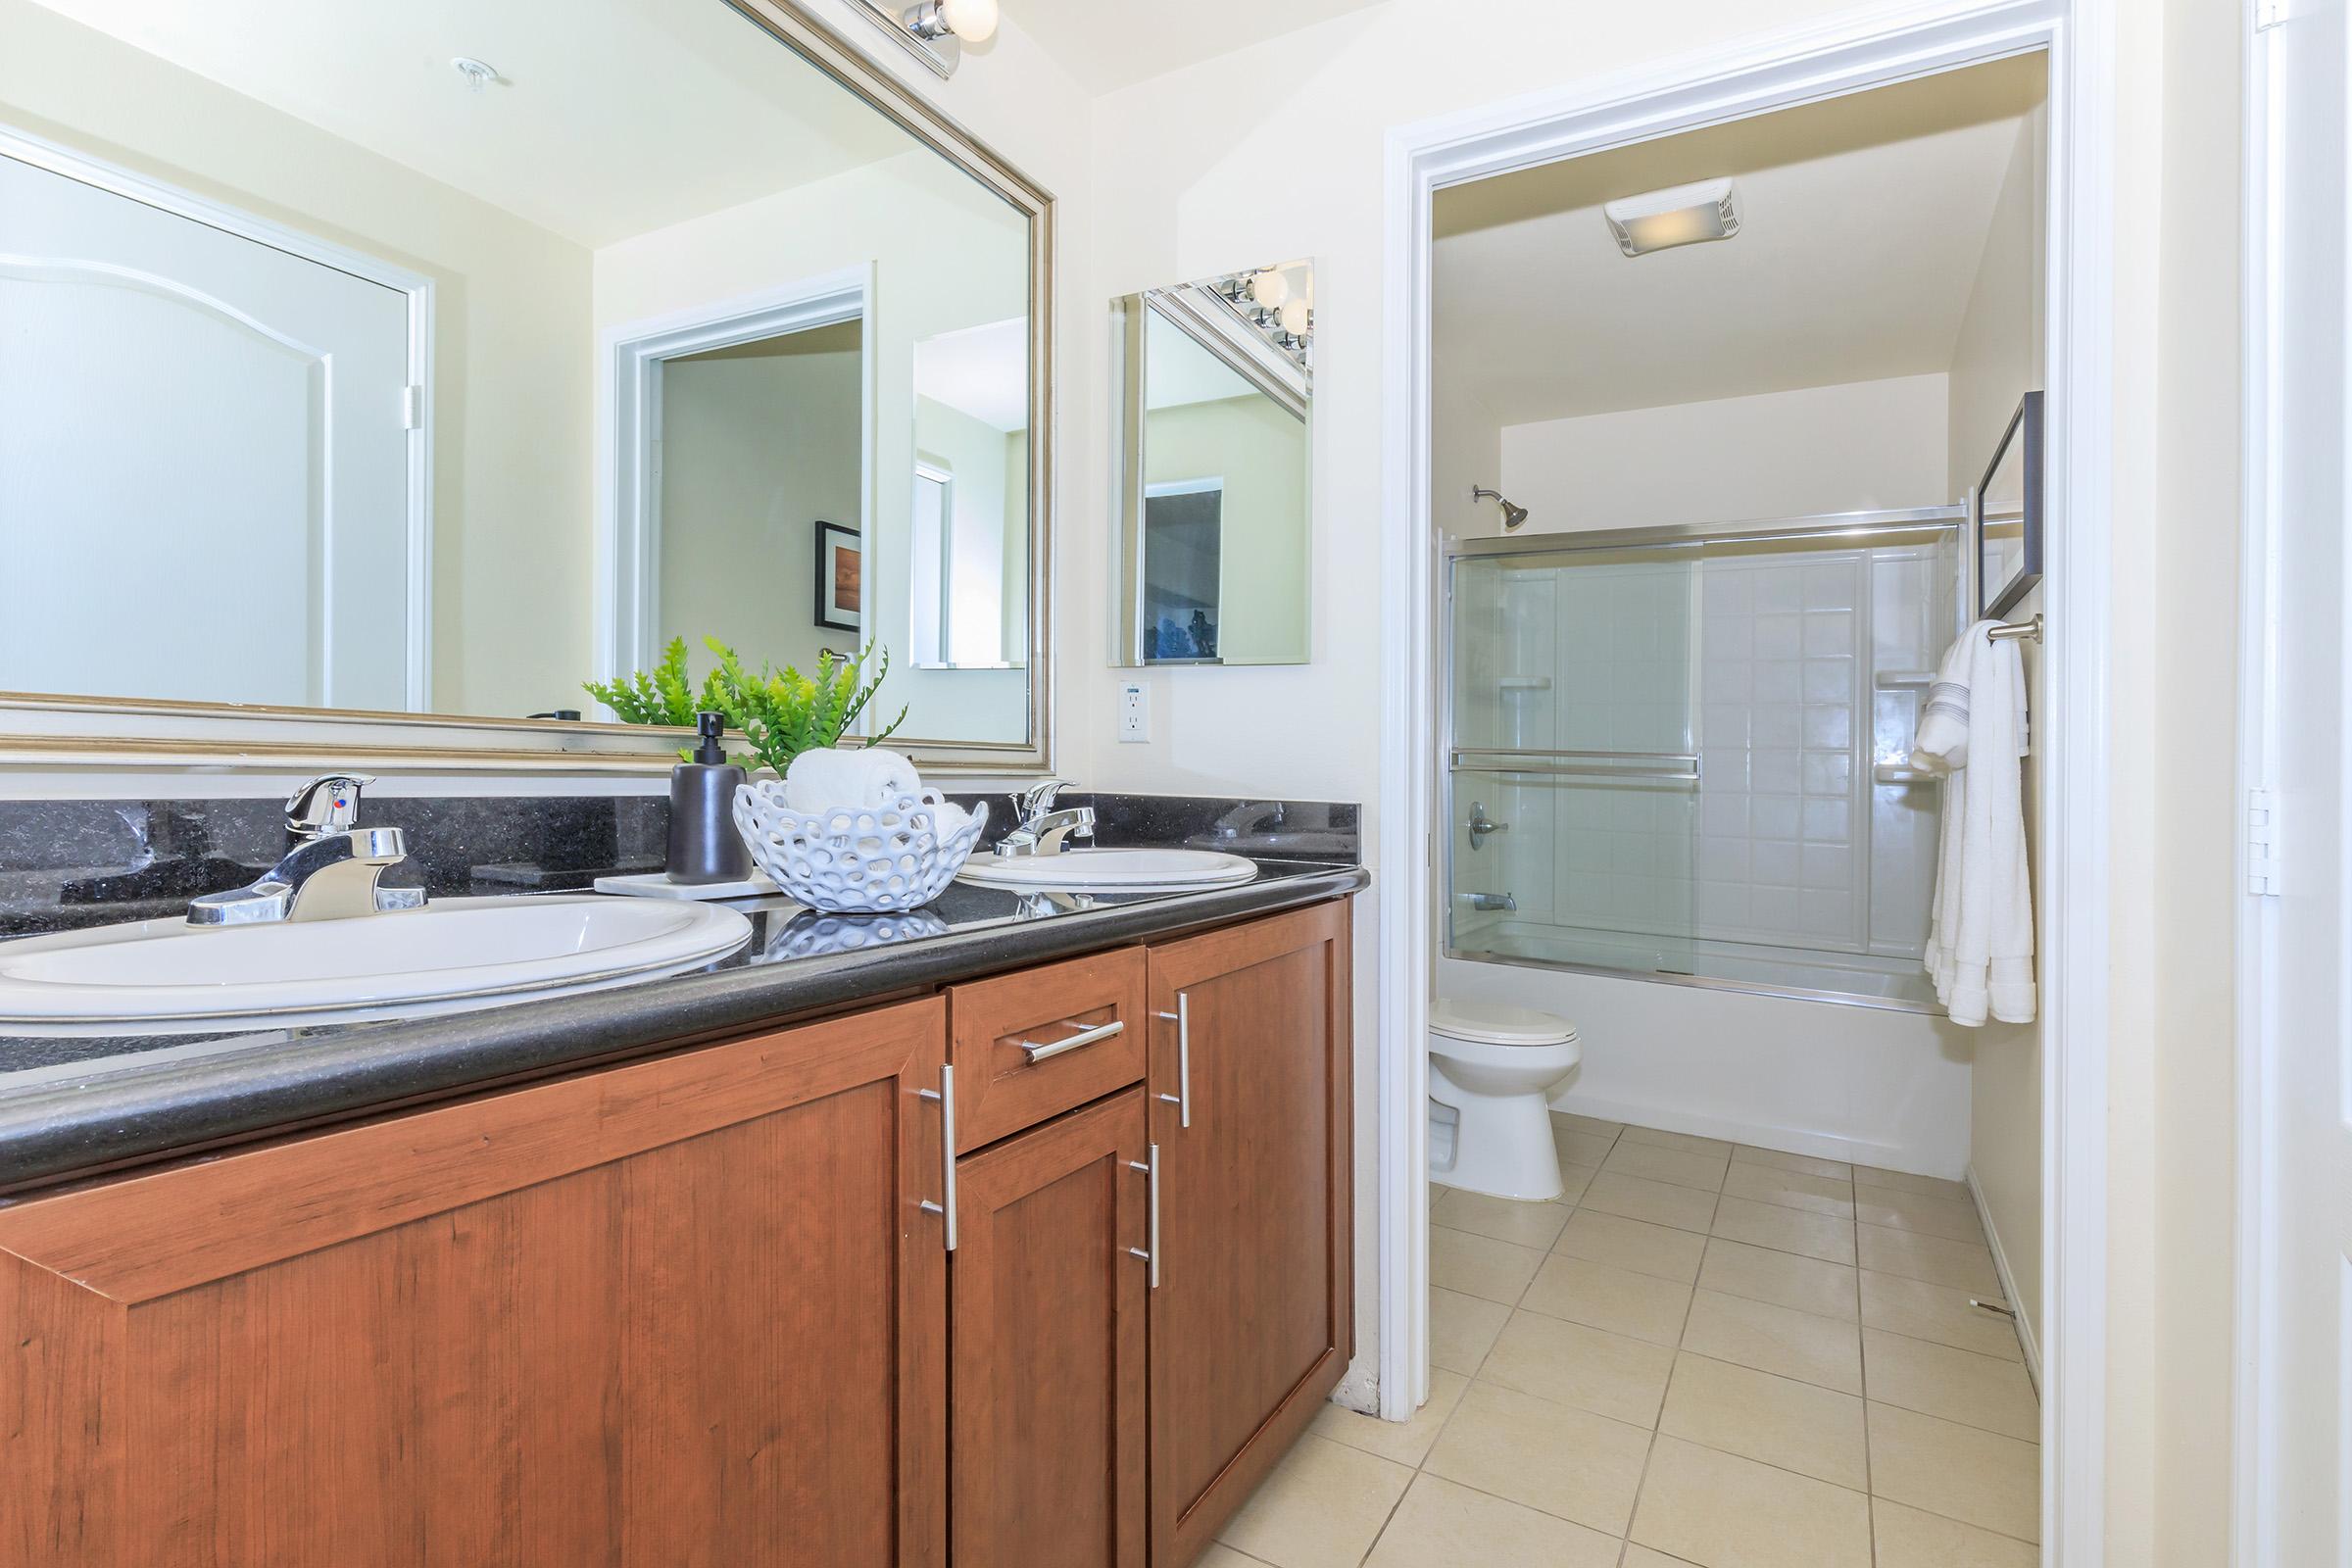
(1212,470)
(2008,515)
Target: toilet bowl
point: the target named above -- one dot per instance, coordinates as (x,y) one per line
(1491,1066)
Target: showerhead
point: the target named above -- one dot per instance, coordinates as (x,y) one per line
(1512,517)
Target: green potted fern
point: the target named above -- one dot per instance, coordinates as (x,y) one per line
(781,715)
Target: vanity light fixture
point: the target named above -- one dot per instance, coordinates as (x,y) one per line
(1683,215)
(1283,314)
(935,31)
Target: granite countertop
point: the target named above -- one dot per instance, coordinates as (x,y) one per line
(75,1106)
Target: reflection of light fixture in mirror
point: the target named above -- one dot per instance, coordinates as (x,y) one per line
(936,30)
(478,74)
(1512,517)
(1685,215)
(1270,288)
(1282,311)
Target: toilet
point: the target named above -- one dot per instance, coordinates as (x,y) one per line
(1491,1066)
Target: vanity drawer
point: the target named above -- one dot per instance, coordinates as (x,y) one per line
(1033,1045)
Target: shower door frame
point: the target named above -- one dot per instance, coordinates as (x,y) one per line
(1756,75)
(1830,529)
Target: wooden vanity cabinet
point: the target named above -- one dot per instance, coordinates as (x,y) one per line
(688,1311)
(1253,1317)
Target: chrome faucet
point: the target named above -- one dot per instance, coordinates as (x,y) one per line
(1038,828)
(330,873)
(1481,824)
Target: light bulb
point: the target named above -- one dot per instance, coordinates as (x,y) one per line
(972,21)
(1270,288)
(1296,318)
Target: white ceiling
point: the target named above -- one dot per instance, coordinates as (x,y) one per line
(1112,43)
(612,116)
(1862,222)
(982,370)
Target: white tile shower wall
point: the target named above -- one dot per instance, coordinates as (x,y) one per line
(1913,605)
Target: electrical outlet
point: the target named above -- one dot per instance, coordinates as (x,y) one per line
(1134,712)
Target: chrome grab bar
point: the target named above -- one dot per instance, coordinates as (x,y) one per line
(1665,767)
(1083,1037)
(945,1094)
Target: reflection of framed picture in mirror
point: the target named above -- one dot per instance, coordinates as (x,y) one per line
(839,576)
(2007,520)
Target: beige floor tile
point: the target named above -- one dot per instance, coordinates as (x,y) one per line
(1220,1555)
(1480,1265)
(1574,1179)
(1781,1278)
(1816,1195)
(1976,1391)
(1802,1164)
(1322,1508)
(1406,1442)
(1684,1141)
(1798,1426)
(1718,1510)
(1643,1557)
(1779,1340)
(1785,1230)
(1618,1300)
(1952,1219)
(1463,1329)
(1556,1457)
(1961,1265)
(1634,1244)
(1441,1524)
(1686,1209)
(1502,1219)
(1592,1369)
(1574,1124)
(1905,1182)
(1581,1148)
(1910,1539)
(1934,1312)
(1680,1166)
(1980,1477)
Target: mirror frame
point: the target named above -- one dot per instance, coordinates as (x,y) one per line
(45,730)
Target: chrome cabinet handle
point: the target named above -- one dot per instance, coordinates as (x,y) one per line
(1152,1176)
(1083,1037)
(945,1096)
(1182,1100)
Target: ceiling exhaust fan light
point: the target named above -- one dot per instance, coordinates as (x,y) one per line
(1685,215)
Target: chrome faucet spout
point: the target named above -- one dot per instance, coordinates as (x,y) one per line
(1038,828)
(331,873)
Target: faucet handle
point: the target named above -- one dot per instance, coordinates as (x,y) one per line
(328,803)
(1038,798)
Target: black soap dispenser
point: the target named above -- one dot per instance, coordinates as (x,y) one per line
(703,845)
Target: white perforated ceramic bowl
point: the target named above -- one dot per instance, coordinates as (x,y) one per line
(857,860)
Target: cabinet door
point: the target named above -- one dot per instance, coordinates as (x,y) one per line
(684,1312)
(1047,1383)
(1251,1321)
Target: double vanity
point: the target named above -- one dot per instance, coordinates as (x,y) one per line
(1014,1229)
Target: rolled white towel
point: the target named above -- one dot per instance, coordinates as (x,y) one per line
(867,775)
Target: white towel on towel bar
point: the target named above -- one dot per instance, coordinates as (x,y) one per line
(1972,729)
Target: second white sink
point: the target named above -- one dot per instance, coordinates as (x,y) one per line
(168,977)
(1110,870)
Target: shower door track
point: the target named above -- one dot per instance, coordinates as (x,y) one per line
(1880,526)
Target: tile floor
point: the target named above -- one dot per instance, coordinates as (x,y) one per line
(1702,1354)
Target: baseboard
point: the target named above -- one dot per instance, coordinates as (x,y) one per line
(1758,1135)
(2018,1320)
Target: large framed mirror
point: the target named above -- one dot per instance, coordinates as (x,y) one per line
(377,379)
(1212,470)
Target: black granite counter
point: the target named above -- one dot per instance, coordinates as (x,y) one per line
(74,1107)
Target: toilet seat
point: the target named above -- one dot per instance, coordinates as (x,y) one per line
(1495,1023)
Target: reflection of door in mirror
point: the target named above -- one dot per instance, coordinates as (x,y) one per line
(970,607)
(207,430)
(1184,539)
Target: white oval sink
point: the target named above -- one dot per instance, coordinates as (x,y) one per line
(1110,870)
(168,977)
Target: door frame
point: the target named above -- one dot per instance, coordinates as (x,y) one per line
(628,422)
(416,288)
(1755,75)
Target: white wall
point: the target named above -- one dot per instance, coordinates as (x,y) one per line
(1849,448)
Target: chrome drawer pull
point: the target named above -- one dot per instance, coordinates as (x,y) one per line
(945,1096)
(1150,1175)
(1182,1100)
(1083,1037)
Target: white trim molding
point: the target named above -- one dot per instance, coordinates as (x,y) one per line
(628,397)
(1847,53)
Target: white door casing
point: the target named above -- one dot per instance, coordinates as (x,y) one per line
(262,454)
(2293,1460)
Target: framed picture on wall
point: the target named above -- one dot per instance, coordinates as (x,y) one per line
(2007,520)
(839,576)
